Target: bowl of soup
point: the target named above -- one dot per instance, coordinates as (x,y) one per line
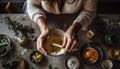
(54,42)
(91,54)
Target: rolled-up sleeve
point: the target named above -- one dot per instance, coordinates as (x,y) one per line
(34,9)
(87,13)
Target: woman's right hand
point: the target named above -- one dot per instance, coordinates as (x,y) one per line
(41,41)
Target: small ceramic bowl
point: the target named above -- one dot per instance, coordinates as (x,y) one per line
(54,41)
(115,53)
(91,54)
(72,62)
(107,64)
(5,45)
(36,57)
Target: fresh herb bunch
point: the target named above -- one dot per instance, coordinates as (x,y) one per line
(19,28)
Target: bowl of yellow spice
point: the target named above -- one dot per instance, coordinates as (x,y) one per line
(54,42)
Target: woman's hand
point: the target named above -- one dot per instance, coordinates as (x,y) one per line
(41,41)
(43,36)
(70,40)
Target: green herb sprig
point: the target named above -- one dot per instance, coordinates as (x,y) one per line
(19,28)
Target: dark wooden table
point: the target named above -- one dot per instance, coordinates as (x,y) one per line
(54,21)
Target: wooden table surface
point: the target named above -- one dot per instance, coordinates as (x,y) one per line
(53,21)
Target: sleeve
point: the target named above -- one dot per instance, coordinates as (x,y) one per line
(34,9)
(87,13)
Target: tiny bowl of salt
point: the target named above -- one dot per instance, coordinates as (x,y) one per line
(72,62)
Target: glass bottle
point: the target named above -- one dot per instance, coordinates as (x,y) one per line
(90,34)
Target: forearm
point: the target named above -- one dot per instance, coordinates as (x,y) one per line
(34,10)
(42,25)
(87,14)
(76,27)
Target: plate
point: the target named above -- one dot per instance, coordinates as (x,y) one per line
(91,54)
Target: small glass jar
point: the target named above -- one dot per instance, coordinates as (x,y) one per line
(22,41)
(90,34)
(112,39)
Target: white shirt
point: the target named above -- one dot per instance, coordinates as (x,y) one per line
(37,8)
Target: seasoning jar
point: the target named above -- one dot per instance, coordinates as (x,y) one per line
(112,39)
(22,41)
(90,34)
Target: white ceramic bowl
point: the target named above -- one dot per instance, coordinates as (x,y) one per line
(72,62)
(55,36)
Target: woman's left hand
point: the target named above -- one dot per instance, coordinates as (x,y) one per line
(70,41)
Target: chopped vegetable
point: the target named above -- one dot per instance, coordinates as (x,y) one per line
(36,57)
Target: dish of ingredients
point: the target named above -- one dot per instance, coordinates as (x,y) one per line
(72,62)
(91,53)
(116,54)
(54,42)
(36,57)
(5,45)
(107,64)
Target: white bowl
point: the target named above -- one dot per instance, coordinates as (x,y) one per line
(55,36)
(72,62)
